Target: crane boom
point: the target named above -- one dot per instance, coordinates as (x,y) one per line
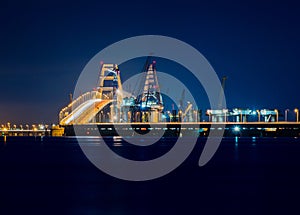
(186,111)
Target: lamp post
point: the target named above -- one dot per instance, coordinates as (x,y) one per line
(209,115)
(195,116)
(225,115)
(276,111)
(169,116)
(180,116)
(286,114)
(258,115)
(101,117)
(108,117)
(241,116)
(297,114)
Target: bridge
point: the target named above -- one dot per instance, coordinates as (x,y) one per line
(85,108)
(106,104)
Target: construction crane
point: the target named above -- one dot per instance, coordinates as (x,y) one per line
(148,103)
(221,95)
(186,110)
(181,99)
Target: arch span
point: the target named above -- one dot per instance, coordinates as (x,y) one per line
(85,112)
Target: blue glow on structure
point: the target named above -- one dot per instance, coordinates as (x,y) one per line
(236,128)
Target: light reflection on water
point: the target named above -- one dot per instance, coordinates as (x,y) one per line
(238,173)
(236,140)
(117,141)
(253,141)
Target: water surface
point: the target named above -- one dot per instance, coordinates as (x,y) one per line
(246,176)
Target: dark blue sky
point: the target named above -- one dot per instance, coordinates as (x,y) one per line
(44,47)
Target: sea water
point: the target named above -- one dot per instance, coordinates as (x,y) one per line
(246,176)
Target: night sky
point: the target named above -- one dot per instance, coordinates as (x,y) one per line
(45,45)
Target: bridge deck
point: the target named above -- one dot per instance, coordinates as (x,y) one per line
(85,112)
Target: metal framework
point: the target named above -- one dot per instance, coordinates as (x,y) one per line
(85,108)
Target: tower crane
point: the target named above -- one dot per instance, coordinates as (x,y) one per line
(181,99)
(221,95)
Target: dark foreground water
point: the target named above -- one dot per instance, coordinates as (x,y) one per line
(246,176)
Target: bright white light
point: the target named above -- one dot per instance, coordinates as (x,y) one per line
(236,129)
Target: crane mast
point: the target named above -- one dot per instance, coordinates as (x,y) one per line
(221,95)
